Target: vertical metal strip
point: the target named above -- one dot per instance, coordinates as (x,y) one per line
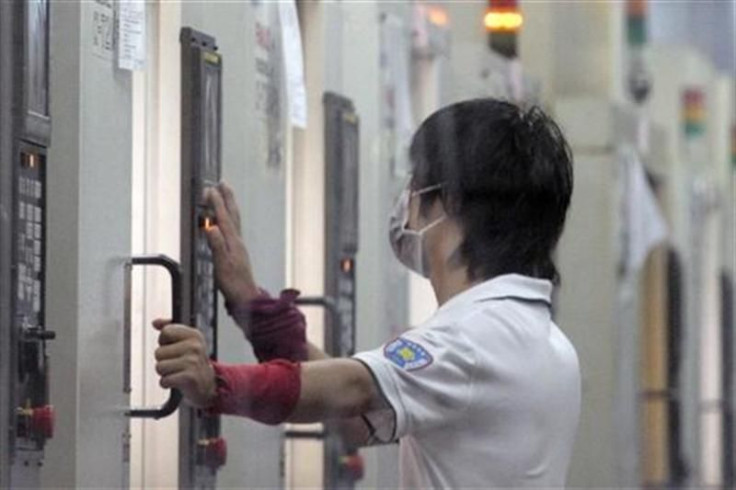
(6,98)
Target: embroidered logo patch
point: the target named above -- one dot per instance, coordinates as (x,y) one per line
(407,354)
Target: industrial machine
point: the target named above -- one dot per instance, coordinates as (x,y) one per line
(342,467)
(26,416)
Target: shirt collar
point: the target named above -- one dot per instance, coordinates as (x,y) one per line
(511,286)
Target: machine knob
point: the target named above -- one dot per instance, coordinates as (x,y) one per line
(213,452)
(42,422)
(352,466)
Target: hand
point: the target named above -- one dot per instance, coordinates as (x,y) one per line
(182,363)
(233,271)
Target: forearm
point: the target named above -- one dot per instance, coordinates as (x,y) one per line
(274,326)
(314,353)
(334,389)
(353,430)
(281,391)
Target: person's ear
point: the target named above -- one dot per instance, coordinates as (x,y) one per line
(415,212)
(454,235)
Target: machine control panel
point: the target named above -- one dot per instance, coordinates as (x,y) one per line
(28,281)
(202,450)
(342,138)
(28,417)
(342,468)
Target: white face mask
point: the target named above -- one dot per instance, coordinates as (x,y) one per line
(408,245)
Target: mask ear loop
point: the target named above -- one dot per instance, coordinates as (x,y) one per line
(432,224)
(427,189)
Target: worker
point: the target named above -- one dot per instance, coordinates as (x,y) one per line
(484,394)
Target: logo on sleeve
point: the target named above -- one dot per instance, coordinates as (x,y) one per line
(407,354)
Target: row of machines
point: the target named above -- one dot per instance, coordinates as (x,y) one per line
(26,412)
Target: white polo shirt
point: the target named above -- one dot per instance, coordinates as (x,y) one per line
(485,394)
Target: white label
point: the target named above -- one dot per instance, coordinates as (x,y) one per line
(103,22)
(132,35)
(291,41)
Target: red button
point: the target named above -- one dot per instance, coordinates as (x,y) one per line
(353,466)
(215,452)
(42,422)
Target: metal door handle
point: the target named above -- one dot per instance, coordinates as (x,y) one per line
(325,302)
(174,270)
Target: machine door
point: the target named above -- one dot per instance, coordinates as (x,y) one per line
(202,450)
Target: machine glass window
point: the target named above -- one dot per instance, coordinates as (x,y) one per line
(212,126)
(37,74)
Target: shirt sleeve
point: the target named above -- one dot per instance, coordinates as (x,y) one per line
(426,378)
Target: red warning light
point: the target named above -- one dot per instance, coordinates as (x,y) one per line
(503,21)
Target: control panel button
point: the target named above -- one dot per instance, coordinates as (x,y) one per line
(36,423)
(213,452)
(42,422)
(352,466)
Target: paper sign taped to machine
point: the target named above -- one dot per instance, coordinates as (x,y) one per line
(132,35)
(291,41)
(103,24)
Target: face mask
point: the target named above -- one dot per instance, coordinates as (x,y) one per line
(408,245)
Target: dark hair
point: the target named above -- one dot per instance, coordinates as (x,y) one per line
(508,179)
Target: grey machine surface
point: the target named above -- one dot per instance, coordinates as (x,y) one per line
(202,449)
(25,130)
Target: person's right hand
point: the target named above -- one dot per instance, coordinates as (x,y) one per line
(233,270)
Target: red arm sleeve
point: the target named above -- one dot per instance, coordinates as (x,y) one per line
(267,392)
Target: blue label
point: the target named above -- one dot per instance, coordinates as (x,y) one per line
(407,354)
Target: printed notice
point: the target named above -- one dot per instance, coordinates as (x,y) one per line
(103,25)
(269,99)
(132,35)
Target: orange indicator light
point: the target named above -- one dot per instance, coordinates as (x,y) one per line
(503,20)
(346,265)
(30,160)
(438,16)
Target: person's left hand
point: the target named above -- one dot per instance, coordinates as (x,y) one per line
(182,363)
